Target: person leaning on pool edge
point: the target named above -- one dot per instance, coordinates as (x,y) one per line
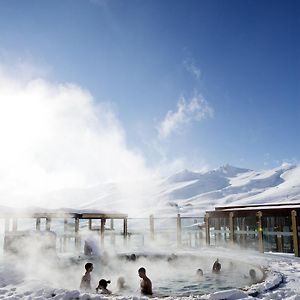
(146,284)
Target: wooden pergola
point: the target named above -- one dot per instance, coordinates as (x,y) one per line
(236,218)
(12,216)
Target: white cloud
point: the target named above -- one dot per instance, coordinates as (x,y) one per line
(191,67)
(56,136)
(194,110)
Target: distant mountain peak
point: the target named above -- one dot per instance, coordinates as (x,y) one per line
(184,175)
(231,171)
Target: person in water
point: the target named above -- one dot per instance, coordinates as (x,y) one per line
(121,286)
(199,273)
(216,266)
(146,284)
(102,287)
(252,275)
(85,284)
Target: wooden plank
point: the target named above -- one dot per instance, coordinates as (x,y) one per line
(102,216)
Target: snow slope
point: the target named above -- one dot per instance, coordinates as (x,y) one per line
(229,185)
(187,192)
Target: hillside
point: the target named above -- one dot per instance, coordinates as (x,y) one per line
(187,192)
(193,193)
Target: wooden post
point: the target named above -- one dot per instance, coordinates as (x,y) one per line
(125,230)
(243,235)
(6,225)
(15,225)
(178,230)
(112,233)
(151,227)
(48,224)
(111,224)
(260,231)
(102,229)
(295,232)
(231,226)
(77,244)
(207,229)
(218,235)
(65,233)
(90,224)
(38,224)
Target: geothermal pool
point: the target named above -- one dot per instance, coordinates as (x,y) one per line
(174,275)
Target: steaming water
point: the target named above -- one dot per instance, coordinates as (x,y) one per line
(177,277)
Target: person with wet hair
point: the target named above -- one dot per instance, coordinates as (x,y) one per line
(199,273)
(102,287)
(121,286)
(146,284)
(85,284)
(104,258)
(87,250)
(216,267)
(132,257)
(172,257)
(252,275)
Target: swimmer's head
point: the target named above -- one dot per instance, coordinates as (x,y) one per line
(199,272)
(142,272)
(89,267)
(103,283)
(252,273)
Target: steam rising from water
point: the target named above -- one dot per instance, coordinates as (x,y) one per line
(176,276)
(57,141)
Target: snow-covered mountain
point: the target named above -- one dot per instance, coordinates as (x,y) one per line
(186,192)
(193,193)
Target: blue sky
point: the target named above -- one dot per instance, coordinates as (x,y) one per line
(240,60)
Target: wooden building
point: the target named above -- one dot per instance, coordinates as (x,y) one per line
(265,227)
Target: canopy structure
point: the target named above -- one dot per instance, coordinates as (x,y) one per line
(11,217)
(267,227)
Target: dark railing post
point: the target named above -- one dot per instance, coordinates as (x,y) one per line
(151,219)
(179,230)
(38,224)
(125,230)
(207,229)
(77,241)
(260,231)
(295,233)
(231,226)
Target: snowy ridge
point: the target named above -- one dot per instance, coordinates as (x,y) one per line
(233,186)
(186,192)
